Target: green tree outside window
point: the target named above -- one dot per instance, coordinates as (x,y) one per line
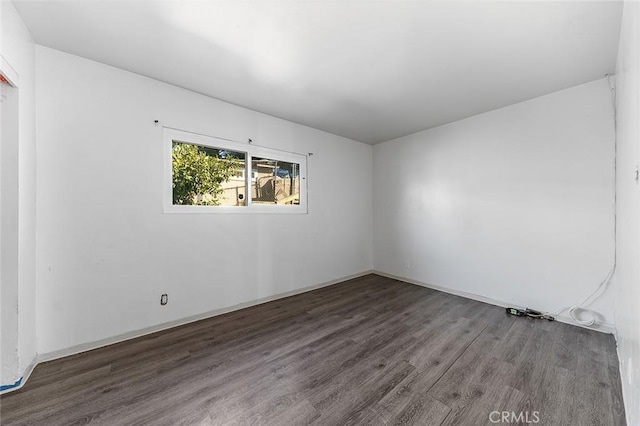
(199,172)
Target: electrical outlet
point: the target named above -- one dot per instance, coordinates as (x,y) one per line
(164,299)
(407,264)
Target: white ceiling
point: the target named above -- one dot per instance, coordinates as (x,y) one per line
(368,70)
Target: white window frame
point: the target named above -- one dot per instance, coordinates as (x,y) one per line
(170,135)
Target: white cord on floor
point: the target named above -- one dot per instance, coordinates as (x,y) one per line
(589,300)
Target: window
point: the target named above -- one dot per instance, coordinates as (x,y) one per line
(212,175)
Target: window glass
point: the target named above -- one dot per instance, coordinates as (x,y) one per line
(275,182)
(207,176)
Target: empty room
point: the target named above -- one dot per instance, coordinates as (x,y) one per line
(292,212)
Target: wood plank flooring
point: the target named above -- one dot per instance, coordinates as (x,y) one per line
(367,351)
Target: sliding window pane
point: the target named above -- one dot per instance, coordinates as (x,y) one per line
(275,182)
(206,176)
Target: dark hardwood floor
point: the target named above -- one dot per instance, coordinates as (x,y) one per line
(367,351)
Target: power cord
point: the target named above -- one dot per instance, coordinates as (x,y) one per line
(605,283)
(588,301)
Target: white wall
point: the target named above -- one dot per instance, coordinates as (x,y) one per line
(9,290)
(105,249)
(18,203)
(9,232)
(515,205)
(627,294)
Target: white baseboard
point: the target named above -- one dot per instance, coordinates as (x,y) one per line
(27,372)
(625,385)
(176,323)
(601,327)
